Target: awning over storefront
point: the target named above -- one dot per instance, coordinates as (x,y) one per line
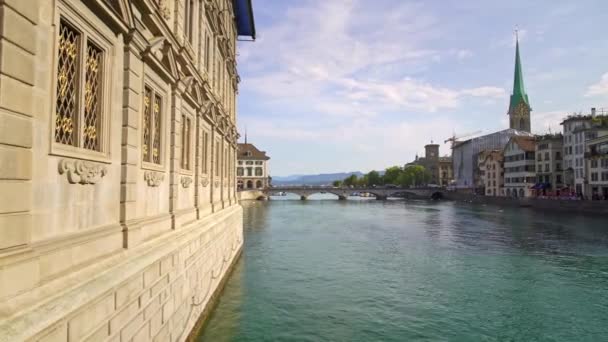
(245,24)
(541,186)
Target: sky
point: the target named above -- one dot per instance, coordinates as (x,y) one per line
(356,85)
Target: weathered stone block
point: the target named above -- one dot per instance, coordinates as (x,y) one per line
(143,335)
(93,315)
(129,291)
(16,62)
(19,277)
(15,130)
(57,333)
(151,274)
(98,335)
(132,327)
(16,96)
(28,9)
(16,163)
(128,312)
(15,229)
(17,29)
(20,198)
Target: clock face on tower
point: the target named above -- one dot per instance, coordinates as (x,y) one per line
(521,110)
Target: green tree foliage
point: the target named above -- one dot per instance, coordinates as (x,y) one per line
(337,183)
(414,175)
(374,178)
(391,174)
(350,180)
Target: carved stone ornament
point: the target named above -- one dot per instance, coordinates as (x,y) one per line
(186,181)
(164,8)
(154,178)
(82,172)
(204,181)
(217,183)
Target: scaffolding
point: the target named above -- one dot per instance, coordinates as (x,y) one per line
(465,153)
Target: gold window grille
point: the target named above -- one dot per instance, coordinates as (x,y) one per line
(186,126)
(153,104)
(205,151)
(217,159)
(78,118)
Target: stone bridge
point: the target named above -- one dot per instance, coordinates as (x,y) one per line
(381,193)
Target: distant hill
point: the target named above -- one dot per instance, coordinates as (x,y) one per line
(321,179)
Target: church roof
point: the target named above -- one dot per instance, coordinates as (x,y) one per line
(250,152)
(519,92)
(525,143)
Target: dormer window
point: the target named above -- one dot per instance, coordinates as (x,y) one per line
(248,154)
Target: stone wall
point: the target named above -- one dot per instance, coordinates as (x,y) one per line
(580,207)
(102,243)
(250,195)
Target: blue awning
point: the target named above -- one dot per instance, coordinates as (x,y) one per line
(245,24)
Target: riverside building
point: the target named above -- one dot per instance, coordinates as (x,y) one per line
(252,170)
(520,167)
(490,165)
(440,168)
(597,163)
(577,130)
(549,163)
(118,217)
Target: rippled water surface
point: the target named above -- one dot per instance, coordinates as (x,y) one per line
(326,270)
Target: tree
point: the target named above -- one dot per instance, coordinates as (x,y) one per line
(373,178)
(350,180)
(391,174)
(337,183)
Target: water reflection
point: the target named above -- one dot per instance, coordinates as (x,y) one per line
(414,270)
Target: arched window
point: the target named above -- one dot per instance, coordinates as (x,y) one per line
(522,124)
(521,192)
(258,184)
(249,184)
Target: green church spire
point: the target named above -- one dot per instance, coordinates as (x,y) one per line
(519,92)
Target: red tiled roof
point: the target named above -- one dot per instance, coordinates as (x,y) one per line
(249,151)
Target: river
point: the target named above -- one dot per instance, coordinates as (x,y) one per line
(366,270)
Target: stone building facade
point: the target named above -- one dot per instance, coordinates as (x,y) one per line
(597,163)
(577,131)
(549,163)
(252,170)
(490,164)
(440,168)
(118,215)
(519,166)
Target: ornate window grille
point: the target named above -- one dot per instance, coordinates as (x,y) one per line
(153,104)
(185,143)
(217,159)
(78,117)
(205,151)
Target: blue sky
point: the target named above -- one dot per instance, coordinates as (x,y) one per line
(344,85)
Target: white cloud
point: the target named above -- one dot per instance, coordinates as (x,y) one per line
(543,122)
(353,64)
(599,88)
(464,54)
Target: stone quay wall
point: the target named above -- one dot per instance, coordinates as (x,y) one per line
(250,195)
(569,206)
(119,217)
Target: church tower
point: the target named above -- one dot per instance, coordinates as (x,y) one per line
(519,105)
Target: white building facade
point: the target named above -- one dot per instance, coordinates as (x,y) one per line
(519,167)
(549,163)
(252,168)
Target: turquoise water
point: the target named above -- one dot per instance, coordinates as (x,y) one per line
(414,271)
